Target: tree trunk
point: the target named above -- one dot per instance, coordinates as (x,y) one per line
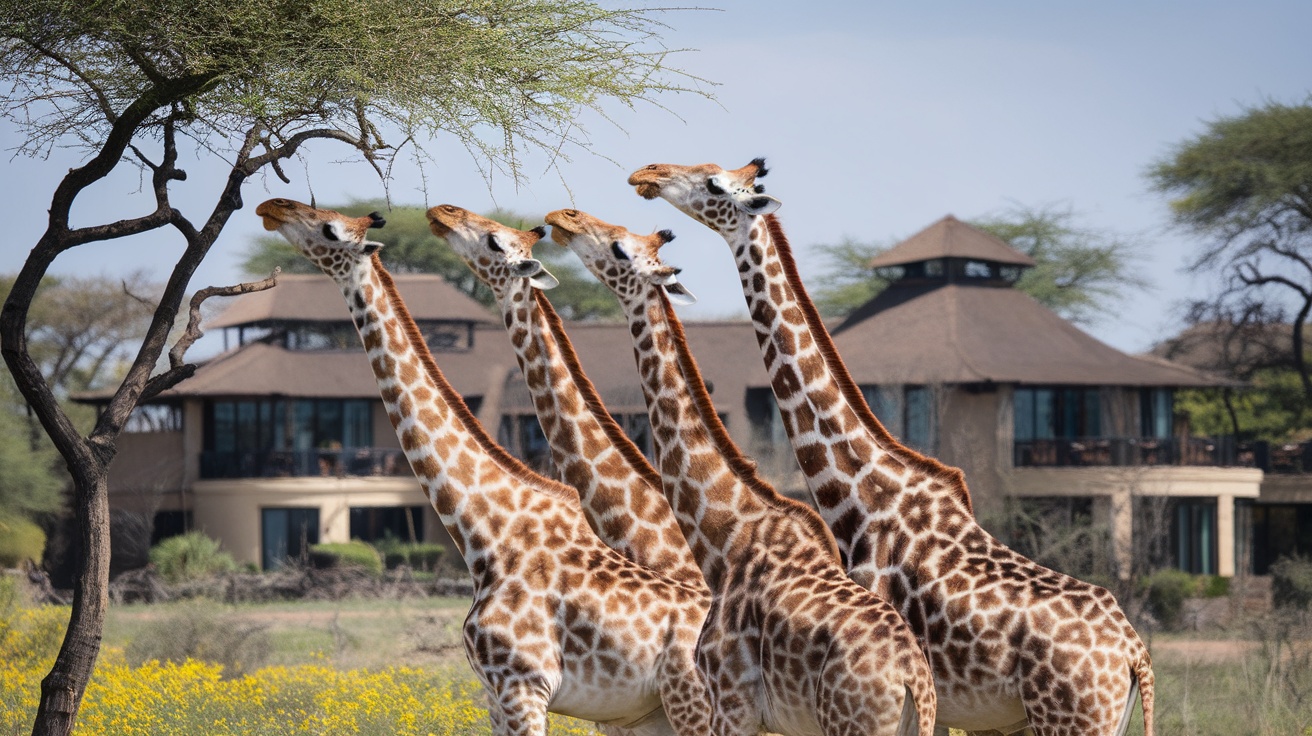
(63,687)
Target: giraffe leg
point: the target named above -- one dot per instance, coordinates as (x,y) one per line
(519,710)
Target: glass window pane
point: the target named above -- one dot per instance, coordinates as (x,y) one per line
(303,425)
(273,550)
(883,401)
(328,429)
(225,430)
(1045,413)
(918,418)
(1092,413)
(1024,403)
(357,424)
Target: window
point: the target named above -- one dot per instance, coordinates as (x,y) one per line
(373,523)
(447,336)
(886,403)
(1156,412)
(638,428)
(1049,413)
(286,535)
(1193,535)
(768,431)
(919,418)
(155,418)
(254,425)
(907,412)
(977,270)
(323,336)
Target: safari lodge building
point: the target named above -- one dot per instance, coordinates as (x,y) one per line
(281,441)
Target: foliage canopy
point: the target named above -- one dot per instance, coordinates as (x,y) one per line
(496,74)
(1245,186)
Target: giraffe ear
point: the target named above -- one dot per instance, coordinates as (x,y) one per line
(756,204)
(544,280)
(679,294)
(370,247)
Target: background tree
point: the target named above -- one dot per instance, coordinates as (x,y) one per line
(1080,269)
(410,247)
(250,83)
(1244,185)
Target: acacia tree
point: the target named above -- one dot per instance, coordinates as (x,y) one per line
(1244,185)
(251,83)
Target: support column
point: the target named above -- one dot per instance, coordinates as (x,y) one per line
(1225,535)
(1122,526)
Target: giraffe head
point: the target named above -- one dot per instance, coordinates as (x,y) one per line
(499,255)
(722,200)
(332,241)
(625,262)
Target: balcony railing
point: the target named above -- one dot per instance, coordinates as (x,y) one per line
(1131,451)
(1283,458)
(350,461)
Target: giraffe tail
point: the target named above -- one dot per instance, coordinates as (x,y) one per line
(1142,689)
(917,717)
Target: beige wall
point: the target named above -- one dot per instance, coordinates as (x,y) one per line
(1121,485)
(229,510)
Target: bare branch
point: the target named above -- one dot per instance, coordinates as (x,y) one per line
(193,332)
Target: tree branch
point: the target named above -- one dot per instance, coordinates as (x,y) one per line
(193,332)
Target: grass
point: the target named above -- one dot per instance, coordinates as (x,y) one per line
(322,657)
(350,633)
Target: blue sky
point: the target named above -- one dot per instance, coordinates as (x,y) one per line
(877,118)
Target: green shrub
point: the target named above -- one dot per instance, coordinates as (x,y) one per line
(1291,582)
(333,555)
(20,539)
(190,556)
(417,555)
(1215,586)
(1167,591)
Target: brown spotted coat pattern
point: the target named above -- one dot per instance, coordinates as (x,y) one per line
(619,488)
(559,622)
(1006,636)
(791,645)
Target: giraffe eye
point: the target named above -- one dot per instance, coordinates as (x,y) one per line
(493,245)
(618,251)
(329,233)
(714,188)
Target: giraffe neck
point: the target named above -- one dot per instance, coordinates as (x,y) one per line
(459,466)
(619,489)
(833,432)
(713,489)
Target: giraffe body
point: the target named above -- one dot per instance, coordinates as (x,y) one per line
(559,621)
(1008,639)
(791,644)
(619,488)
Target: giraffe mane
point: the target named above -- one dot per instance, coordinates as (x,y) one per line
(499,455)
(591,398)
(742,466)
(846,385)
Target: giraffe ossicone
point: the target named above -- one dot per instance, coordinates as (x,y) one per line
(791,645)
(559,622)
(1010,640)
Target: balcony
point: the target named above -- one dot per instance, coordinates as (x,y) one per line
(349,461)
(1132,452)
(1283,458)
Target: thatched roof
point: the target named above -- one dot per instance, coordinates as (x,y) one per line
(962,333)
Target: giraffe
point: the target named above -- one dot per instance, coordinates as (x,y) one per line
(791,645)
(619,488)
(559,621)
(1011,642)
